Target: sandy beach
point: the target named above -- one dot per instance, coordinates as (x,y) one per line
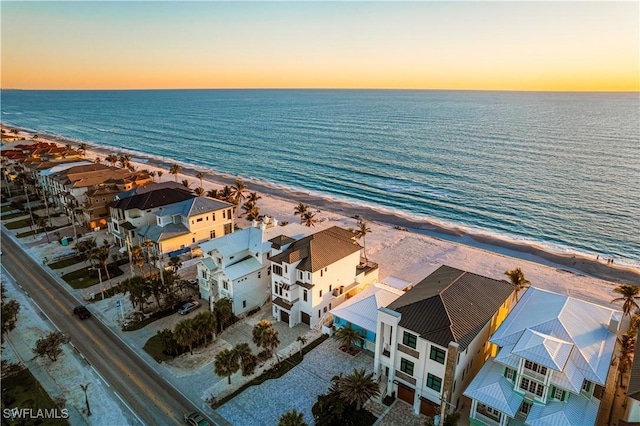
(410,249)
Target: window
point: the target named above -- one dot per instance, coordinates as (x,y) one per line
(525,407)
(224,216)
(259,274)
(509,373)
(277,269)
(207,218)
(213,216)
(286,269)
(535,367)
(409,339)
(406,366)
(320,293)
(586,386)
(204,274)
(225,285)
(531,386)
(304,295)
(324,309)
(244,303)
(300,275)
(487,411)
(320,272)
(558,394)
(199,219)
(437,354)
(193,240)
(212,234)
(319,313)
(275,288)
(434,382)
(329,288)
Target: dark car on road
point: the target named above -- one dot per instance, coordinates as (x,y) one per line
(195,419)
(81,312)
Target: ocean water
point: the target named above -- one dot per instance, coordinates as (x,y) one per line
(561,170)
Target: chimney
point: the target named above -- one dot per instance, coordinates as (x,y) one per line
(275,222)
(254,224)
(263,226)
(266,220)
(614,322)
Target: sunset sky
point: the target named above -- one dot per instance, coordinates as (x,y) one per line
(395,45)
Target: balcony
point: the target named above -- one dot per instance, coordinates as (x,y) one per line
(366,267)
(404,376)
(539,377)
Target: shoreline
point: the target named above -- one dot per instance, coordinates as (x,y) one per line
(572,263)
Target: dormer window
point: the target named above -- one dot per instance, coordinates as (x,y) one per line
(537,368)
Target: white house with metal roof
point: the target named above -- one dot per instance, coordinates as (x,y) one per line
(237,265)
(554,357)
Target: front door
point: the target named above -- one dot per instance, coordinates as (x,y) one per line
(406,394)
(305,317)
(284,316)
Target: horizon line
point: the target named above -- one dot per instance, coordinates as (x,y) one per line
(325,88)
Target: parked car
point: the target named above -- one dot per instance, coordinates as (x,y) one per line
(81,312)
(188,307)
(195,419)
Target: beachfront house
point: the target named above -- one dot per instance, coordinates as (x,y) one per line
(130,213)
(432,340)
(181,226)
(237,265)
(632,411)
(554,357)
(312,275)
(361,311)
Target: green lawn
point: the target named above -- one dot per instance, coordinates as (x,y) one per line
(6,208)
(12,215)
(85,277)
(22,223)
(22,390)
(154,348)
(64,263)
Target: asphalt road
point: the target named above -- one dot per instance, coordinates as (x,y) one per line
(155,401)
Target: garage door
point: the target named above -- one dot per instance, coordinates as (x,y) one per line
(306,318)
(406,393)
(428,408)
(284,316)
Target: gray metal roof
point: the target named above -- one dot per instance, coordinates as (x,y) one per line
(634,381)
(451,305)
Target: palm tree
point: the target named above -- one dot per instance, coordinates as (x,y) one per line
(361,231)
(300,209)
(223,310)
(200,175)
(42,223)
(348,336)
(630,293)
(266,337)
(238,193)
(186,333)
(147,245)
(101,255)
(135,287)
(97,160)
(186,183)
(112,159)
(137,256)
(226,194)
(309,219)
(292,418)
(253,198)
(175,263)
(205,323)
(175,170)
(516,276)
(358,388)
(212,193)
(199,191)
(247,359)
(159,173)
(124,160)
(226,363)
(627,348)
(303,341)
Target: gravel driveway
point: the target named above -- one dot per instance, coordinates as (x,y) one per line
(299,388)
